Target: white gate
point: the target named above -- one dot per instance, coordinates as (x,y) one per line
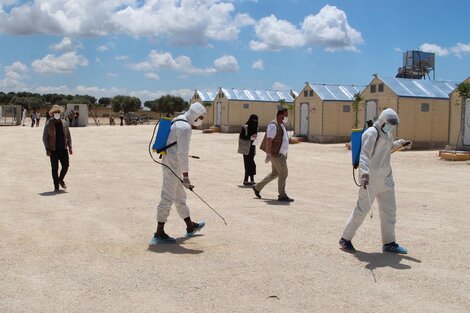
(303,119)
(218,114)
(371,111)
(466,121)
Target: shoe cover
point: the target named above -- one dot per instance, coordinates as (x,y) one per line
(157,240)
(200,226)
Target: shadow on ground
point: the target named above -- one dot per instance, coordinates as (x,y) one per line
(386,259)
(175,248)
(51,193)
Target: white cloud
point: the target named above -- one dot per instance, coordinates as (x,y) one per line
(460,49)
(189,21)
(433,48)
(398,50)
(152,76)
(164,60)
(330,29)
(280,86)
(227,63)
(102,48)
(276,35)
(258,65)
(65,63)
(66,44)
(106,47)
(121,57)
(112,75)
(14,76)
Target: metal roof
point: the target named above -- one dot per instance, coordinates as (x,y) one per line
(419,88)
(258,95)
(208,95)
(336,92)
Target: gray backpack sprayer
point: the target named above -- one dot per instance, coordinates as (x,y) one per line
(160,146)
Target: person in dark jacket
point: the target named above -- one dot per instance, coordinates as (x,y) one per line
(58,143)
(248,134)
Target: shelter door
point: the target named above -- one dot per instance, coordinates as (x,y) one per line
(466,121)
(371,110)
(303,119)
(218,113)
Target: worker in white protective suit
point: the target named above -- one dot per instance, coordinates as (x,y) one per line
(377,182)
(176,158)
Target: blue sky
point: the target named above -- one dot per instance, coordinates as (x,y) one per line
(148,48)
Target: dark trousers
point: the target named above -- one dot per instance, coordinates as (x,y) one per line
(250,165)
(63,157)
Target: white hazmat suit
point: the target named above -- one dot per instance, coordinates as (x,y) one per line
(177,159)
(376,149)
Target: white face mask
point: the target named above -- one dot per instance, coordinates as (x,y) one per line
(197,122)
(57,116)
(285,119)
(388,128)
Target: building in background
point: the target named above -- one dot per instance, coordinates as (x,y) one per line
(324,112)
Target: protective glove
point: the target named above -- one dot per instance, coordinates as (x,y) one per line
(406,144)
(268,158)
(365,180)
(186,183)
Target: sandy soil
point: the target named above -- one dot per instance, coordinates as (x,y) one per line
(85,250)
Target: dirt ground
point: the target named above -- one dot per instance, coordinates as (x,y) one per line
(86,249)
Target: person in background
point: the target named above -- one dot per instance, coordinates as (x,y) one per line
(76,115)
(38,118)
(276,145)
(377,182)
(58,143)
(121,116)
(23,116)
(33,118)
(248,134)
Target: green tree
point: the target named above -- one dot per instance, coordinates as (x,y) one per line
(104,102)
(127,103)
(167,104)
(464,90)
(358,102)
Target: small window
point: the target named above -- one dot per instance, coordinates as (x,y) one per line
(424,107)
(311,93)
(373,88)
(305,93)
(76,108)
(246,105)
(346,108)
(381,87)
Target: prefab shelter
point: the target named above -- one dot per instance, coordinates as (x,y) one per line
(324,112)
(422,105)
(82,110)
(459,121)
(207,99)
(233,107)
(10,114)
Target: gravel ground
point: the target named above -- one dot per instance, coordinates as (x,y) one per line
(85,249)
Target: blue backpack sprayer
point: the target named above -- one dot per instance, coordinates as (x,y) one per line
(160,146)
(356,143)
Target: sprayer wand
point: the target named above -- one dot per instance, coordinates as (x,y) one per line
(191,187)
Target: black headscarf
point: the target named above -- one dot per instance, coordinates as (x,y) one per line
(250,128)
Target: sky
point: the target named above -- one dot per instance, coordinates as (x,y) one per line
(150,48)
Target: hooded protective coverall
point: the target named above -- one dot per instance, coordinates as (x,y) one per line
(177,159)
(375,161)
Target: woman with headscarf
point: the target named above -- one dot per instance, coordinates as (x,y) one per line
(248,134)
